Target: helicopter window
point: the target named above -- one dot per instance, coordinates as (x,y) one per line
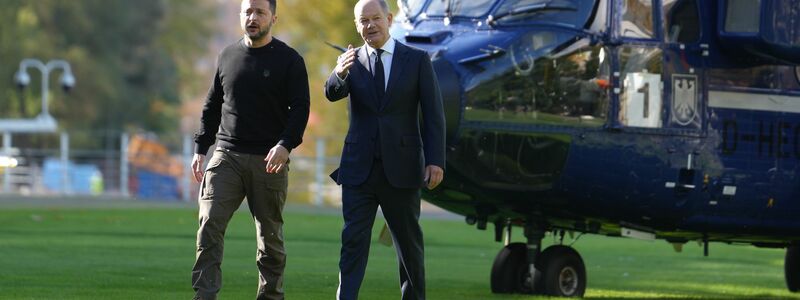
(462,8)
(766,77)
(742,15)
(567,89)
(797,73)
(637,19)
(564,11)
(640,99)
(410,8)
(683,21)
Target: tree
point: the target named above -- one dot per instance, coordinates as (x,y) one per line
(133,60)
(307,25)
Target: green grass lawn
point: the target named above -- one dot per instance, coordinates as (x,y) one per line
(147,253)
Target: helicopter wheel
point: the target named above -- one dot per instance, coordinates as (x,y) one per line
(791,268)
(563,272)
(510,269)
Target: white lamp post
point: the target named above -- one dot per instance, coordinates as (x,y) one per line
(23,79)
(44,122)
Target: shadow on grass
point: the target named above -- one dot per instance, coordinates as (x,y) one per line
(106,234)
(232,236)
(726,297)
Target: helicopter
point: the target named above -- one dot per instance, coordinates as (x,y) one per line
(676,120)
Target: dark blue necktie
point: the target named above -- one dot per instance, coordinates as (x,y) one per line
(377,79)
(378,76)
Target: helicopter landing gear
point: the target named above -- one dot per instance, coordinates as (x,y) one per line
(522,268)
(563,272)
(509,268)
(791,268)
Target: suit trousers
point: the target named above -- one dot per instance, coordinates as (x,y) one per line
(400,208)
(229,178)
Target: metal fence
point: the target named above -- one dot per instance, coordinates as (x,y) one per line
(106,163)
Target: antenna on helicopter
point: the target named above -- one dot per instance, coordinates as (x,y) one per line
(337,47)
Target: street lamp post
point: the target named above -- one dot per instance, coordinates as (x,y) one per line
(23,79)
(44,122)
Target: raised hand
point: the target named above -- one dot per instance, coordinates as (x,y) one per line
(345,61)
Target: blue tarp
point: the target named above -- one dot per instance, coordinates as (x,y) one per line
(151,185)
(83,178)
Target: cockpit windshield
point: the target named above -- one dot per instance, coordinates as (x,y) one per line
(561,11)
(575,12)
(460,8)
(410,8)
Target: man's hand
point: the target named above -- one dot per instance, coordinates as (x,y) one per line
(433,176)
(345,61)
(197,166)
(276,159)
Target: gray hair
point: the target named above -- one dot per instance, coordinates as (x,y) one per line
(384,5)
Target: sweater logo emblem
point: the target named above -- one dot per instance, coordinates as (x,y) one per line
(266,73)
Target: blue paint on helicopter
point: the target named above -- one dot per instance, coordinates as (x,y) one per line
(671,119)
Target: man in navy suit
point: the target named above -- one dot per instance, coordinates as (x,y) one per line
(387,157)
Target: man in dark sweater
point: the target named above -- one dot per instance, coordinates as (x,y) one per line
(256,109)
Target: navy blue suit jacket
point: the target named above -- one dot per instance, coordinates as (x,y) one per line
(392,128)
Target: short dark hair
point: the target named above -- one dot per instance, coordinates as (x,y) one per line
(272,5)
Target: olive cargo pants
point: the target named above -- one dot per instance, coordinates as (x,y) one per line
(228,179)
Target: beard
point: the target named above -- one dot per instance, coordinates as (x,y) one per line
(261,33)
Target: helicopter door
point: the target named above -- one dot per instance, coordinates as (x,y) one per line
(684,97)
(683,66)
(639,67)
(660,105)
(639,113)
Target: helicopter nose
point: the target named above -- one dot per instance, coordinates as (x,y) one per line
(450,88)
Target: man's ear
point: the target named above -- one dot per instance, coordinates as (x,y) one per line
(274,19)
(390,17)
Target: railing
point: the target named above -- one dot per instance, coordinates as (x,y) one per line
(140,166)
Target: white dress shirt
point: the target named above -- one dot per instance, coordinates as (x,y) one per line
(386,58)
